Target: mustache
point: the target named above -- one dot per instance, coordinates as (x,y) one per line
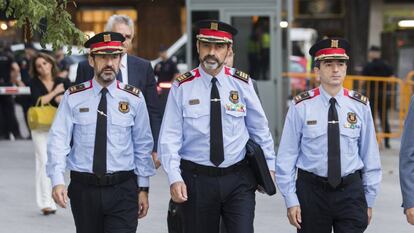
(210,57)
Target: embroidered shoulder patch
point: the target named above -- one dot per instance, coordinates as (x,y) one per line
(184,77)
(130,89)
(80,87)
(241,75)
(358,97)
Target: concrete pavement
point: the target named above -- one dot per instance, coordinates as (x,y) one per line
(19,213)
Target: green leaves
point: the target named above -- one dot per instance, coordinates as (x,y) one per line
(48,17)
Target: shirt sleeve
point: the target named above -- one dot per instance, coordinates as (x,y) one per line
(407,159)
(258,126)
(143,144)
(58,145)
(287,156)
(171,136)
(369,153)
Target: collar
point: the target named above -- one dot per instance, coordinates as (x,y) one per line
(207,77)
(326,97)
(123,61)
(97,87)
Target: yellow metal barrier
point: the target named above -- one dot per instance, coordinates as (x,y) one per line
(389,97)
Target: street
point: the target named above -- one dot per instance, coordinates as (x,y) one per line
(19,213)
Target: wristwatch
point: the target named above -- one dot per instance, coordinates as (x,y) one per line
(143,189)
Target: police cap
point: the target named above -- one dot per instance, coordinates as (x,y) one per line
(106,43)
(330,49)
(214,31)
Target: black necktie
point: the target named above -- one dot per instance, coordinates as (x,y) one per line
(334,151)
(99,154)
(119,75)
(216,130)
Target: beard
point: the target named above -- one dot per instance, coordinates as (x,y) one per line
(211,62)
(105,76)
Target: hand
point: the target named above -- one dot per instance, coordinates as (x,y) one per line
(60,195)
(369,215)
(178,192)
(294,216)
(143,204)
(409,213)
(59,89)
(157,162)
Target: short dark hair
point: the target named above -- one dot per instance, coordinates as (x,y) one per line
(317,64)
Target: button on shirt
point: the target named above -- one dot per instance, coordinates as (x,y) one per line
(185,130)
(129,144)
(304,143)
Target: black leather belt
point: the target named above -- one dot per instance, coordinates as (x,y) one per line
(187,165)
(105,180)
(323,181)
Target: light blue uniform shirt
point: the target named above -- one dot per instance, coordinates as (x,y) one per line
(304,143)
(129,144)
(185,130)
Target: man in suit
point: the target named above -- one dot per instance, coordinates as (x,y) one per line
(407,165)
(135,71)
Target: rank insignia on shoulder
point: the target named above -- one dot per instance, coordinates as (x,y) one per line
(306,95)
(80,87)
(130,89)
(241,75)
(184,77)
(358,97)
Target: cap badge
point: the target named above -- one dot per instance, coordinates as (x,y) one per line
(334,43)
(107,37)
(123,107)
(214,26)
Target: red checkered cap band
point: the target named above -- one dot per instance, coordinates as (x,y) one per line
(331,51)
(215,33)
(115,45)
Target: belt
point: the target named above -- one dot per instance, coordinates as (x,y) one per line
(105,180)
(323,181)
(187,165)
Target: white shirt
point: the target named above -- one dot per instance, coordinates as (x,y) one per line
(124,68)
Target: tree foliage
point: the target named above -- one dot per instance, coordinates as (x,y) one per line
(48,17)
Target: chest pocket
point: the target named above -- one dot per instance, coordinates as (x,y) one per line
(121,128)
(85,126)
(197,118)
(234,121)
(349,140)
(313,139)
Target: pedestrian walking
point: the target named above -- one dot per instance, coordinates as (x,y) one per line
(45,88)
(211,113)
(101,133)
(407,165)
(329,143)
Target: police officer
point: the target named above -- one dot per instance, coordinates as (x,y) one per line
(407,165)
(211,112)
(165,70)
(110,159)
(329,140)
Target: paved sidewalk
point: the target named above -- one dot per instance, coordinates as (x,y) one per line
(19,213)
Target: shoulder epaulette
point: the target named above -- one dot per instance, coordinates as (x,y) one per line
(241,75)
(130,89)
(184,77)
(358,97)
(80,87)
(306,95)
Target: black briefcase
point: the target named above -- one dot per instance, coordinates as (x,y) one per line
(175,218)
(257,163)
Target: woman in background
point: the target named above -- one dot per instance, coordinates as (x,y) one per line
(46,86)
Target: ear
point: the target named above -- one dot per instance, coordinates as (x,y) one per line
(91,60)
(198,46)
(316,70)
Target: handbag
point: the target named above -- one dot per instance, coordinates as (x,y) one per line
(257,162)
(40,116)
